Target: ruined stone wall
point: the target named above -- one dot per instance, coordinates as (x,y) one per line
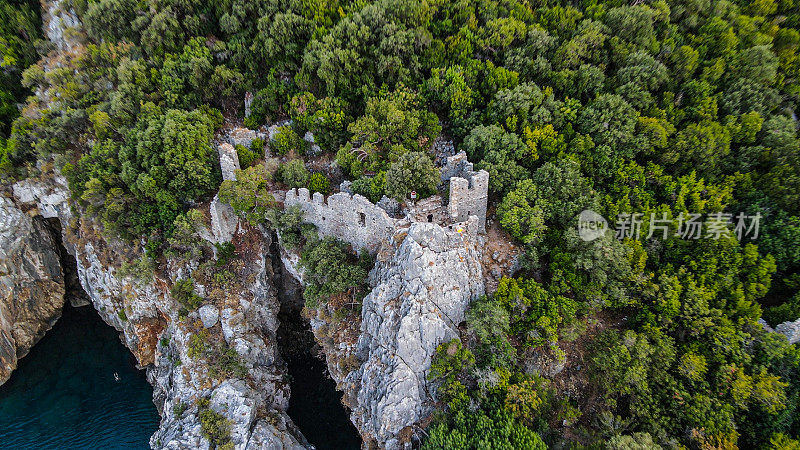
(469,190)
(351,218)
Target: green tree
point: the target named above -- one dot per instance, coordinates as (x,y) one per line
(330,270)
(249,194)
(412,171)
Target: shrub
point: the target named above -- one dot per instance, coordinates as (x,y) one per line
(294,173)
(268,102)
(246,156)
(223,361)
(249,194)
(179,408)
(371,187)
(330,270)
(198,344)
(286,140)
(183,293)
(257,147)
(216,427)
(318,182)
(225,251)
(290,225)
(140,269)
(184,244)
(490,322)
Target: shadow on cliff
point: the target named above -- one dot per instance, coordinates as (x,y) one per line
(315,405)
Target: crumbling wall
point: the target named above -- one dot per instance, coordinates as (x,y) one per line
(228,161)
(351,218)
(469,190)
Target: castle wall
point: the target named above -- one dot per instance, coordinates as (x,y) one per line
(351,218)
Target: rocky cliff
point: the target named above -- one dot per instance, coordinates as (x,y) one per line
(31,284)
(381,358)
(177,348)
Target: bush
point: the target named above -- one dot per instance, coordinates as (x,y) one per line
(371,187)
(286,141)
(246,156)
(330,270)
(318,182)
(268,103)
(223,361)
(294,173)
(225,251)
(290,225)
(141,269)
(179,408)
(257,147)
(183,293)
(249,194)
(216,427)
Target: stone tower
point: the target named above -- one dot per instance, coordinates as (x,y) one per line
(469,190)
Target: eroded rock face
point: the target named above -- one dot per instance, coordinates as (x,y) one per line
(791,330)
(152,327)
(31,284)
(420,295)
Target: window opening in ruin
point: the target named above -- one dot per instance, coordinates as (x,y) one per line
(362,219)
(430,217)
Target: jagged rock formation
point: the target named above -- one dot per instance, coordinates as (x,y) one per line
(420,292)
(790,329)
(31,284)
(419,299)
(151,326)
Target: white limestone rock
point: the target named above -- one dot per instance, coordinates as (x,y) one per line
(224,221)
(242,136)
(791,330)
(209,315)
(420,296)
(228,161)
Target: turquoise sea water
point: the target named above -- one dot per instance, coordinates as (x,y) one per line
(63,395)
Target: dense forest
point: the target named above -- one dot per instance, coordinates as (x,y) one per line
(680,110)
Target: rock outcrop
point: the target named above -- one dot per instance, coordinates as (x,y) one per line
(419,299)
(163,337)
(31,284)
(790,329)
(420,292)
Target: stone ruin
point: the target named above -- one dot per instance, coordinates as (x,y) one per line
(228,161)
(469,190)
(351,218)
(364,225)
